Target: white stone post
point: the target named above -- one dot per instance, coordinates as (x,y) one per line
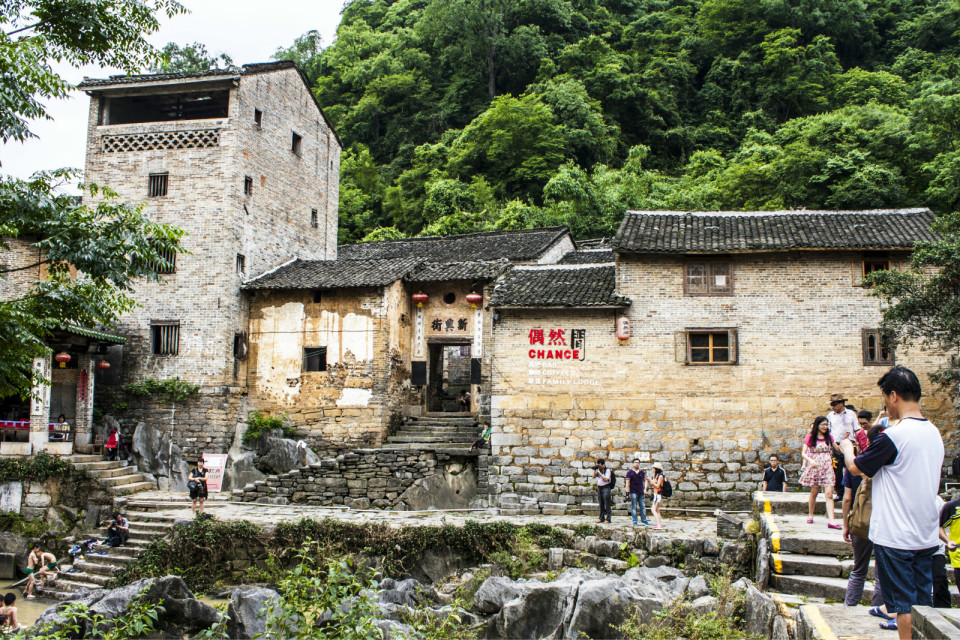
(40,404)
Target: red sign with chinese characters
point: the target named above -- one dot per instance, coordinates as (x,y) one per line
(559,344)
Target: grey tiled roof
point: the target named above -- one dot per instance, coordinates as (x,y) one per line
(725,232)
(556,286)
(591,256)
(525,244)
(334,274)
(447,271)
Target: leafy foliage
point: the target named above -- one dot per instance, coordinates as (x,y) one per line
(91,255)
(570,112)
(169,390)
(36,468)
(922,304)
(80,621)
(322,599)
(26,527)
(190,58)
(259,424)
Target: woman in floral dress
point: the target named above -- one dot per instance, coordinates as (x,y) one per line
(817,455)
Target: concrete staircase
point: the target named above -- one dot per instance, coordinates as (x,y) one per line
(447,432)
(116,477)
(96,569)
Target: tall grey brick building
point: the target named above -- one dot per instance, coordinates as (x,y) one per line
(246,162)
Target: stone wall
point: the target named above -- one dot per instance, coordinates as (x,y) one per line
(365,478)
(799,320)
(18,254)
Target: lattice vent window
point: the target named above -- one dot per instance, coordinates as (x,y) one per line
(201,139)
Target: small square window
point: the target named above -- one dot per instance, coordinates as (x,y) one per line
(877,348)
(258,118)
(713,278)
(315,359)
(296,143)
(166,337)
(241,264)
(157,185)
(869,266)
(247,186)
(707,346)
(314,218)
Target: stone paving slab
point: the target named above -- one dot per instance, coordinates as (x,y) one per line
(792,533)
(837,622)
(789,503)
(701,527)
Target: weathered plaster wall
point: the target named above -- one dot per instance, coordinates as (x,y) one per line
(799,321)
(351,402)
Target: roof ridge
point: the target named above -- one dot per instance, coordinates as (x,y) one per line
(463,235)
(558,266)
(778,212)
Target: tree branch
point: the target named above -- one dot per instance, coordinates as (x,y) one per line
(29,266)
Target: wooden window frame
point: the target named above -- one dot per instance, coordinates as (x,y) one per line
(241,264)
(683,349)
(858,269)
(707,264)
(306,359)
(248,186)
(158,184)
(165,337)
(879,362)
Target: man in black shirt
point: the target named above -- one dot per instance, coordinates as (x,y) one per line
(774,478)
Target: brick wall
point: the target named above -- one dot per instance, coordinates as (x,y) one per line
(206,198)
(18,253)
(799,322)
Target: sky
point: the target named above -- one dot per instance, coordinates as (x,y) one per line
(246,30)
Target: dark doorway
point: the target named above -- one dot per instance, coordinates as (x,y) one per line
(449,375)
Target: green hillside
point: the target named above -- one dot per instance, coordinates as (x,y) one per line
(465,115)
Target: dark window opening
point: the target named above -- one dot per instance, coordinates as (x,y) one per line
(157,185)
(165,107)
(241,264)
(166,337)
(167,263)
(247,186)
(869,266)
(878,348)
(314,218)
(315,359)
(258,118)
(240,345)
(296,143)
(317,296)
(450,298)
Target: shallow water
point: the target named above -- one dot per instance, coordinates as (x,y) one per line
(29,610)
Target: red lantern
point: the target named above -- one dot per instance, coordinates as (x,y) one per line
(420,298)
(623,329)
(474,299)
(63,358)
(103,365)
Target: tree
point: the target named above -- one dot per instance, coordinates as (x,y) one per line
(922,304)
(92,255)
(190,58)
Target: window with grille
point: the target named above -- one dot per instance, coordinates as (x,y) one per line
(258,118)
(315,359)
(167,263)
(247,186)
(712,278)
(241,264)
(157,185)
(166,337)
(314,218)
(877,348)
(296,143)
(707,346)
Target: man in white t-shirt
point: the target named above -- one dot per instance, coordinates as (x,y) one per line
(843,425)
(904,462)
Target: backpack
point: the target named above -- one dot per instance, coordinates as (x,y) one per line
(613,479)
(859,517)
(956,466)
(667,489)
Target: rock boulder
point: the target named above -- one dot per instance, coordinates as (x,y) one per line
(246,620)
(280,455)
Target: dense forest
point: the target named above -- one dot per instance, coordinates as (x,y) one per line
(468,115)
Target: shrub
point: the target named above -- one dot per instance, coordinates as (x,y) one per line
(36,468)
(259,424)
(170,390)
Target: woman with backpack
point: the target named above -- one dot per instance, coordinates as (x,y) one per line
(818,456)
(658,490)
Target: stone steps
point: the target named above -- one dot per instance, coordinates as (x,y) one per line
(136,487)
(117,477)
(122,480)
(451,438)
(821,566)
(100,467)
(114,562)
(98,568)
(437,429)
(439,447)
